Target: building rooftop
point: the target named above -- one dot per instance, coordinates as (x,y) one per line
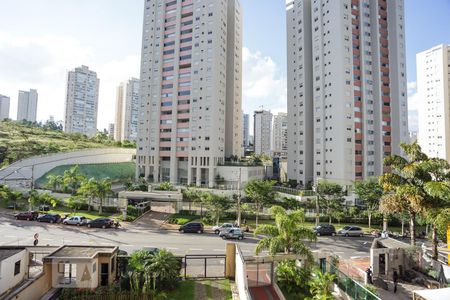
(388,243)
(6,252)
(81,252)
(433,294)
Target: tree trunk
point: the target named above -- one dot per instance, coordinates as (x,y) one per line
(257,214)
(90,203)
(329,219)
(385,222)
(435,243)
(317,211)
(100,209)
(412,227)
(403,227)
(370,219)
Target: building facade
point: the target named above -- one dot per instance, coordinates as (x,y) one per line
(5,102)
(81,106)
(279,135)
(190,106)
(262,131)
(433,86)
(127,110)
(27,105)
(347,105)
(245,129)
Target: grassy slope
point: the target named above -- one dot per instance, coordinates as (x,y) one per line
(116,172)
(18,141)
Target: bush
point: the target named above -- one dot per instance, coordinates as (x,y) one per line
(132,211)
(181,219)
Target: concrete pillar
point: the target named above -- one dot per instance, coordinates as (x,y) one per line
(230,267)
(199,176)
(211,178)
(189,179)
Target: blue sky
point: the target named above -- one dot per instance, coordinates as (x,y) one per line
(41,40)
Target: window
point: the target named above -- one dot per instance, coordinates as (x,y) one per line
(17,268)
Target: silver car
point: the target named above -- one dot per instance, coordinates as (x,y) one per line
(351,231)
(76,220)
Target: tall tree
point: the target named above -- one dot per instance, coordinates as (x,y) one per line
(261,193)
(72,179)
(88,189)
(331,197)
(369,191)
(103,190)
(54,182)
(217,205)
(287,235)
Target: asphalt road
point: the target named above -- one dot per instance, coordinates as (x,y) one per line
(131,238)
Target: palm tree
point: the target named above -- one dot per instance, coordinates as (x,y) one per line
(88,189)
(72,179)
(261,192)
(163,266)
(287,235)
(54,182)
(320,285)
(103,190)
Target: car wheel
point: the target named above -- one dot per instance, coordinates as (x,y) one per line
(28,219)
(318,234)
(78,224)
(240,238)
(333,234)
(360,234)
(199,231)
(217,232)
(224,237)
(89,225)
(346,234)
(103,226)
(182,230)
(51,221)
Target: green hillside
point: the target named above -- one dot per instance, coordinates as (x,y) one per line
(118,172)
(20,140)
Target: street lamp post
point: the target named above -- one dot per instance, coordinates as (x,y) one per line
(314,187)
(239,199)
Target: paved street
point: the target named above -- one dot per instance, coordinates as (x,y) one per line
(132,237)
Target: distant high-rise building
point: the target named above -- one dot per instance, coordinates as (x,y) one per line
(347,106)
(127,110)
(27,105)
(81,101)
(433,86)
(279,134)
(245,129)
(4,107)
(111,130)
(262,131)
(190,105)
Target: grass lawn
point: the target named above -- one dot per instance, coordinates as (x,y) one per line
(184,291)
(115,172)
(90,215)
(213,290)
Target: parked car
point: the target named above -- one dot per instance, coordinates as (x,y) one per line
(28,215)
(351,231)
(324,229)
(151,250)
(101,223)
(49,218)
(75,220)
(218,229)
(192,227)
(233,233)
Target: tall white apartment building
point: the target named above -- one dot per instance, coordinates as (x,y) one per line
(27,105)
(4,107)
(81,107)
(433,86)
(347,105)
(127,110)
(262,131)
(245,129)
(191,80)
(279,134)
(111,131)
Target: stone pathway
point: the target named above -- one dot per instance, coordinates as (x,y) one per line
(404,291)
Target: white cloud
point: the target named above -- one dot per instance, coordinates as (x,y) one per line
(413,106)
(263,83)
(42,62)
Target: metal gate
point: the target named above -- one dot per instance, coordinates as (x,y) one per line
(204,266)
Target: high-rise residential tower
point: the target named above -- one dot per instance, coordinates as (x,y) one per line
(4,107)
(262,131)
(190,105)
(27,105)
(433,86)
(127,111)
(279,134)
(245,129)
(81,101)
(347,105)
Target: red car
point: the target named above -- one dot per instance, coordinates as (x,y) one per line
(28,215)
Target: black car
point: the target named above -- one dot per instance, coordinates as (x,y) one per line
(49,218)
(325,229)
(101,223)
(193,227)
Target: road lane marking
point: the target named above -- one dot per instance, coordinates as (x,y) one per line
(218,250)
(171,248)
(195,249)
(11,236)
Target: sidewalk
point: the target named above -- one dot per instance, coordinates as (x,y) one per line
(404,291)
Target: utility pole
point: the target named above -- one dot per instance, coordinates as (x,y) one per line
(239,199)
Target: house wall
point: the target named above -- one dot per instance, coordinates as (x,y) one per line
(81,266)
(108,260)
(7,278)
(37,288)
(394,259)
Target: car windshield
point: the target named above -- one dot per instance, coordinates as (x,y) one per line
(346,228)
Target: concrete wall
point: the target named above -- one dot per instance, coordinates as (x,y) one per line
(7,278)
(241,277)
(231,174)
(36,288)
(81,267)
(19,174)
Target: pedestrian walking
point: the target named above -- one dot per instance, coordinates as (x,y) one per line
(395,278)
(369,276)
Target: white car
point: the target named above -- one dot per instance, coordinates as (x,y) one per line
(351,231)
(218,229)
(76,220)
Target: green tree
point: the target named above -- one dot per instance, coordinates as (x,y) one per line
(217,205)
(102,191)
(47,199)
(321,285)
(72,179)
(164,267)
(165,186)
(287,235)
(331,197)
(54,182)
(33,199)
(369,191)
(88,189)
(292,278)
(75,203)
(261,193)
